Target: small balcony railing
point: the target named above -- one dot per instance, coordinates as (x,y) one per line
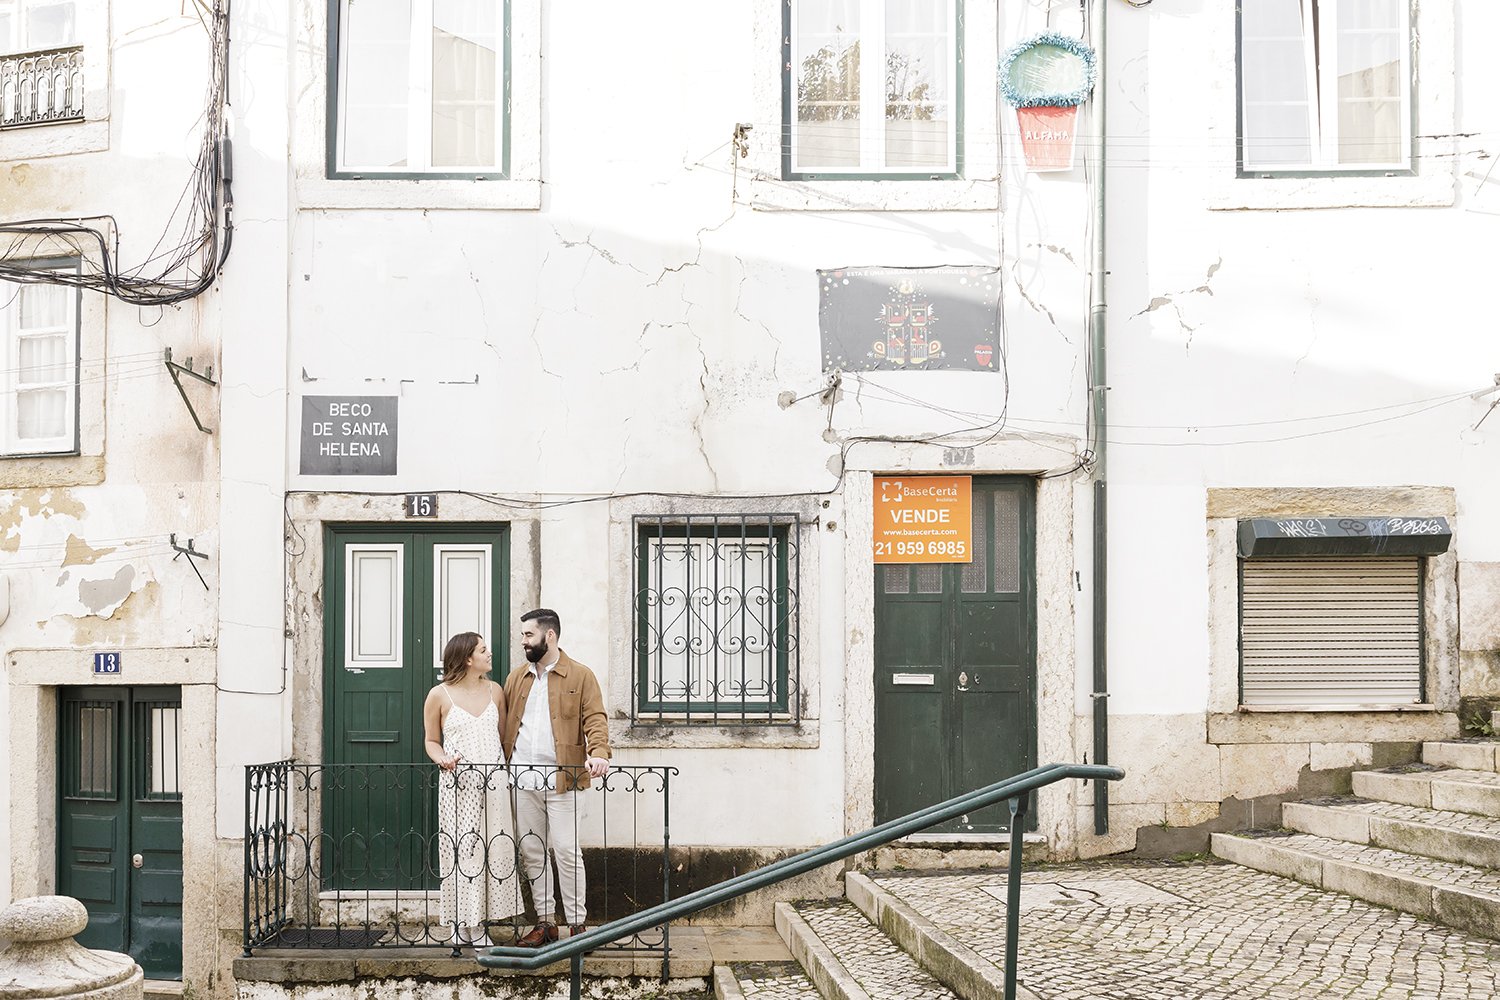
(355,855)
(41,88)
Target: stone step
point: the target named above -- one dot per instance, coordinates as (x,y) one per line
(1467,755)
(848,958)
(1458,895)
(950,962)
(763,981)
(1434,833)
(1452,789)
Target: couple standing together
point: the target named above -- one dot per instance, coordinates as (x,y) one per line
(548,723)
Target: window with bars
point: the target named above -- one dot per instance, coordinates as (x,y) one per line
(1336,632)
(418,89)
(1325,85)
(871,89)
(716,618)
(39,380)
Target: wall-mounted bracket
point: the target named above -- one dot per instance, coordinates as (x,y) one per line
(192,554)
(177,371)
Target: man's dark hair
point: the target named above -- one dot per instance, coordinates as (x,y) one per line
(545,618)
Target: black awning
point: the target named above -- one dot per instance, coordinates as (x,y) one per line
(1344,536)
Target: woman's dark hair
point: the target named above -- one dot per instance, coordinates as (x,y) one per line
(456,655)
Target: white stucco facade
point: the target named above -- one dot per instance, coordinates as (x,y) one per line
(627,324)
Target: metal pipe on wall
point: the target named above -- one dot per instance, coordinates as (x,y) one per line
(1098,390)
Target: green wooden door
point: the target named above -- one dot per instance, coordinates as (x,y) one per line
(955,666)
(394,596)
(120,820)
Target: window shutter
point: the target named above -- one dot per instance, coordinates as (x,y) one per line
(1331,631)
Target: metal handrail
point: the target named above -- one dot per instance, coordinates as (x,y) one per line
(1014,789)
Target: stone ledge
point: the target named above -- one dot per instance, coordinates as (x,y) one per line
(1331,727)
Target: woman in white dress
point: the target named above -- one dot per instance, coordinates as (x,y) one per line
(476,835)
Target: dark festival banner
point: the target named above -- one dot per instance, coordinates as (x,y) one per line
(909,318)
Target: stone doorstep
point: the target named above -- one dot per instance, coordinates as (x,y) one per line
(1467,755)
(951,963)
(690,959)
(1455,790)
(1472,910)
(163,989)
(1428,836)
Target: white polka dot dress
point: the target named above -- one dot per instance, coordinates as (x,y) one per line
(476,839)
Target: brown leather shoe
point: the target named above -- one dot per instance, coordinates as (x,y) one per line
(576,929)
(542,933)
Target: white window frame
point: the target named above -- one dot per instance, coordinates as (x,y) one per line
(419,104)
(352,605)
(872,117)
(11,384)
(1320,64)
(440,629)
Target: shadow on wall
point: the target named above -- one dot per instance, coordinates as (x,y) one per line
(1264,811)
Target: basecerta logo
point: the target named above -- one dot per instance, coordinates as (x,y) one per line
(890,484)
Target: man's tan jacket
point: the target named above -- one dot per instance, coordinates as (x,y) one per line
(580,729)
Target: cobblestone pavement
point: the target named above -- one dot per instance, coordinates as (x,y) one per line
(773,981)
(1206,931)
(873,960)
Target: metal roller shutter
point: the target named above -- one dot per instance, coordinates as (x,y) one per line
(1331,631)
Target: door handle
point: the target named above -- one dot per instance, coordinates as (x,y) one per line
(136,861)
(963,680)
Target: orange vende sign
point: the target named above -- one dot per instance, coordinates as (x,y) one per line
(923,519)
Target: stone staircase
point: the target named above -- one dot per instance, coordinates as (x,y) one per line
(1420,838)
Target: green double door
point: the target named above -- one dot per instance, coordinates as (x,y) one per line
(955,671)
(394,595)
(119,837)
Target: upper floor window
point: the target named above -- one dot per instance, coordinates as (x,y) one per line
(1325,85)
(34,25)
(41,63)
(39,327)
(871,89)
(419,88)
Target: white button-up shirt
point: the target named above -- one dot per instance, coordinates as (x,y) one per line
(535,746)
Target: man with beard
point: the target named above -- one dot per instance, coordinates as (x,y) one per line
(556,738)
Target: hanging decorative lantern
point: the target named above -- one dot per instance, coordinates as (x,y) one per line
(1045,78)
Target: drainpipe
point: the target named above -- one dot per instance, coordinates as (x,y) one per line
(1097,393)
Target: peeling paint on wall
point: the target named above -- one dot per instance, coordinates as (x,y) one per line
(80,553)
(104,597)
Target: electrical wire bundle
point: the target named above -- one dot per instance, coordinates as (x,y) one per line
(30,248)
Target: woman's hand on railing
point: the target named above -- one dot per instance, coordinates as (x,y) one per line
(448,761)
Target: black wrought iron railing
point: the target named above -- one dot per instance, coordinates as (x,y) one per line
(1014,790)
(407,855)
(38,88)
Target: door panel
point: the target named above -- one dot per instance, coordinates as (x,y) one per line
(120,800)
(395,596)
(971,626)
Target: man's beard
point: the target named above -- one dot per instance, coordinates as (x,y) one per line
(535,653)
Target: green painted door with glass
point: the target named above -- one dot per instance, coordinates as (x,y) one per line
(395,595)
(120,820)
(955,666)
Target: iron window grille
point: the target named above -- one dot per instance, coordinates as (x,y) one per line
(716,619)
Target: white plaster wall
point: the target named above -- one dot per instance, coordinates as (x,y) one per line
(84,541)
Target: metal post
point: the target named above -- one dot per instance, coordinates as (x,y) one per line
(666,870)
(249,849)
(577,988)
(1097,391)
(1013,895)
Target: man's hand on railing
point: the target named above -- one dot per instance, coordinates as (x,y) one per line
(598,767)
